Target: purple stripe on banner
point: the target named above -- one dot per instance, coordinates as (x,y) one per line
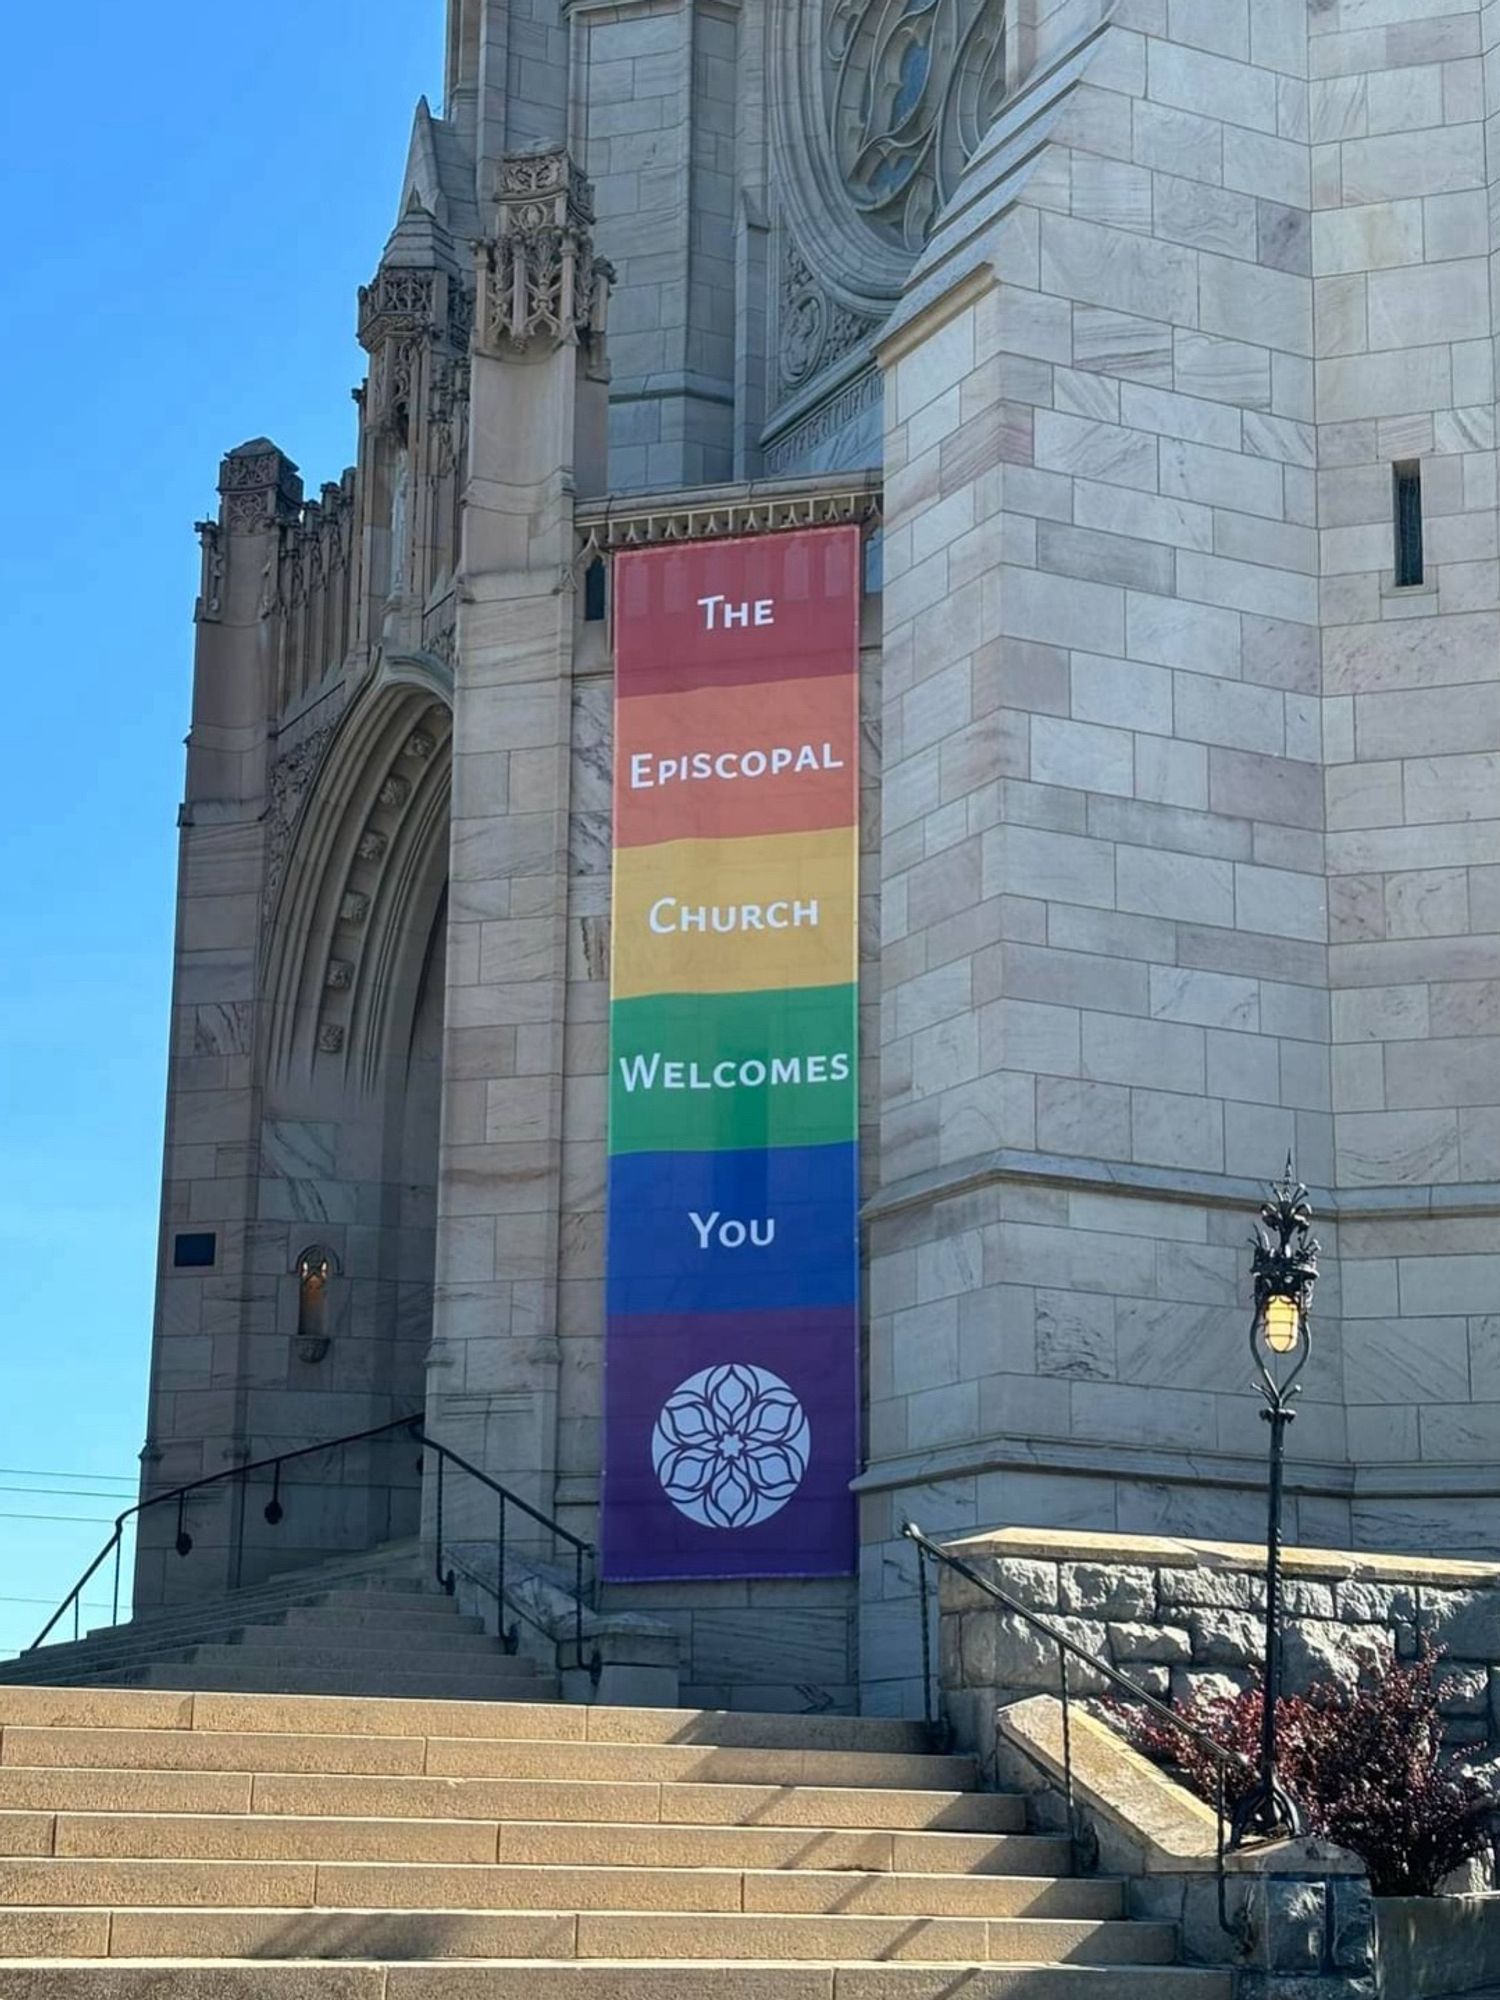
(741,1468)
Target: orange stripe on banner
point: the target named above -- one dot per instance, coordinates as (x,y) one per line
(736,916)
(720,763)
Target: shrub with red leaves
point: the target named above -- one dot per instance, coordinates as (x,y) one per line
(1366,1766)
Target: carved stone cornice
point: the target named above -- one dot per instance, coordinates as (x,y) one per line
(760,507)
(799,436)
(539,280)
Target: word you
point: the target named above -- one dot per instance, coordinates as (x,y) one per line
(732,1235)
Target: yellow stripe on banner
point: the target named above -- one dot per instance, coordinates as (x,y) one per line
(767,912)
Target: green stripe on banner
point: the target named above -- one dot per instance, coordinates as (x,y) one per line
(702,1072)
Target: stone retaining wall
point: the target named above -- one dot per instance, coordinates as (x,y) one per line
(1185,1618)
(1438,1947)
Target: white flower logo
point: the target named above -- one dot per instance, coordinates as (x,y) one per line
(730,1446)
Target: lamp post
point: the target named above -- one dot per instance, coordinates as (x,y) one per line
(1285,1270)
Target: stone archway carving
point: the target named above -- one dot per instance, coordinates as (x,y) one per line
(362,880)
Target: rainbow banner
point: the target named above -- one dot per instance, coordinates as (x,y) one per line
(731,1398)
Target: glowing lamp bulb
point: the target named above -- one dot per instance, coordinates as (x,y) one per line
(1281,1323)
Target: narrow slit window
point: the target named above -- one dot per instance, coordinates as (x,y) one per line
(594,589)
(1408,493)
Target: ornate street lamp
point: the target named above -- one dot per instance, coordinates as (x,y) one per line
(1285,1270)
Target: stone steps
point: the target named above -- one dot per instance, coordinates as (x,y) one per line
(427,1633)
(176,1846)
(388,1651)
(614,1764)
(395,1573)
(343,1612)
(541,1722)
(552,1979)
(66,1882)
(301,1794)
(146,1833)
(395,1576)
(359,1626)
(382,1933)
(526,1684)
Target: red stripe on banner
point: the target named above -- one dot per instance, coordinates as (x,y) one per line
(721,614)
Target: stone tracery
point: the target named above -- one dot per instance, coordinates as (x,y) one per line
(878,105)
(911,87)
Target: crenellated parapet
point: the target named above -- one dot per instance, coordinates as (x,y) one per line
(312,603)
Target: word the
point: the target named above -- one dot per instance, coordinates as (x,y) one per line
(732,1235)
(761,612)
(643,1072)
(648,771)
(667,916)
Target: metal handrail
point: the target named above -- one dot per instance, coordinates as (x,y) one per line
(1224,1760)
(415,1429)
(447,1578)
(184,1541)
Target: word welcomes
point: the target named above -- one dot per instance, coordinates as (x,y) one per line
(642,1072)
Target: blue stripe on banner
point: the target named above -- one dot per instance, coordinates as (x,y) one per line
(733,1231)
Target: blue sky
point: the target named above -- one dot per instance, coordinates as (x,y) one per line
(193,193)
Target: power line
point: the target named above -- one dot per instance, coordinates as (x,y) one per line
(64,1493)
(78,1520)
(29,1473)
(87,1603)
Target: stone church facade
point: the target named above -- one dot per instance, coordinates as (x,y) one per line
(1151,346)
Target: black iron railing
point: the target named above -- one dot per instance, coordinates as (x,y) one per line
(1224,1761)
(179,1496)
(275,1511)
(582,1552)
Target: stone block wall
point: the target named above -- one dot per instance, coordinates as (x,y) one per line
(1187,852)
(1185,1619)
(1402,250)
(1292,1918)
(1106,1015)
(655,131)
